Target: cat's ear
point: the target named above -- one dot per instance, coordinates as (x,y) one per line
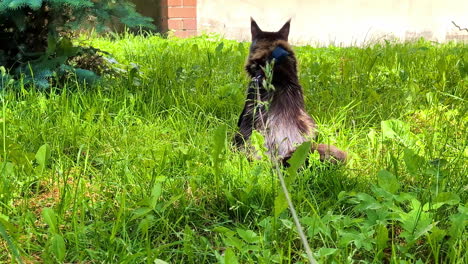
(254,28)
(284,31)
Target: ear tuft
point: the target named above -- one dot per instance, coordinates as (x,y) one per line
(254,28)
(284,31)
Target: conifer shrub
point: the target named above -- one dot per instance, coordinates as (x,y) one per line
(36,37)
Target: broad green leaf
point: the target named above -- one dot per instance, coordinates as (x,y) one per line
(43,155)
(360,239)
(367,202)
(251,248)
(442,198)
(232,241)
(388,181)
(447,198)
(323,252)
(249,236)
(298,158)
(381,193)
(436,235)
(160,261)
(381,237)
(145,224)
(403,197)
(140,212)
(7,169)
(230,257)
(229,197)
(155,194)
(257,140)
(287,223)
(224,230)
(463,209)
(416,222)
(219,143)
(423,230)
(457,225)
(219,48)
(413,161)
(58,247)
(50,218)
(280,203)
(314,225)
(395,129)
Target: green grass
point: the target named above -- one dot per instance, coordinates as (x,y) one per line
(140,168)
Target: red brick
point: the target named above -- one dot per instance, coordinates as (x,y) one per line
(185,33)
(175,24)
(182,12)
(190,2)
(190,23)
(174,2)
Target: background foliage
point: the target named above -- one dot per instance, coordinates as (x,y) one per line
(140,168)
(36,37)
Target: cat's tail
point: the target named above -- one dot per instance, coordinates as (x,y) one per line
(330,153)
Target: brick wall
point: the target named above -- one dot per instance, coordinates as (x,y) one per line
(179,16)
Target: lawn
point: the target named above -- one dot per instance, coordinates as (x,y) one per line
(139,168)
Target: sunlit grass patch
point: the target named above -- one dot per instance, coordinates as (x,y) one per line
(141,167)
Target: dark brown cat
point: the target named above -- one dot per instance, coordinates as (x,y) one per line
(278,114)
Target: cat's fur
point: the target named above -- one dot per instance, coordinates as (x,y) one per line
(278,114)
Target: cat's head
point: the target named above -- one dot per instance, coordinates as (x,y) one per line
(267,46)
